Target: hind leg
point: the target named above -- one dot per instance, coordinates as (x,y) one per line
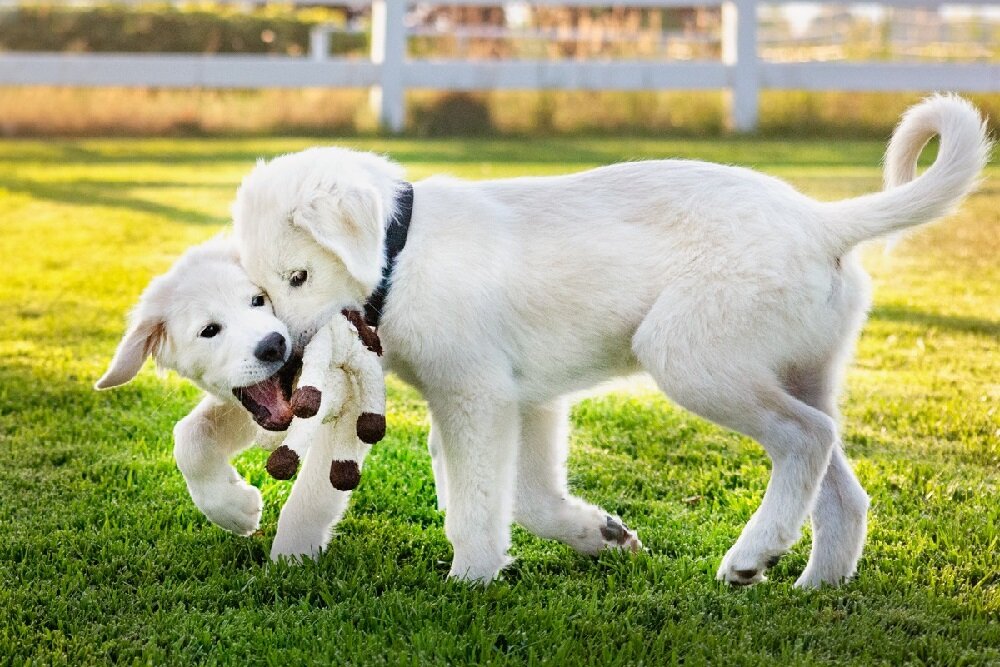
(435,447)
(716,377)
(840,513)
(543,503)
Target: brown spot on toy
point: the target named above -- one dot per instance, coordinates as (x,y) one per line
(282,463)
(369,337)
(305,401)
(371,427)
(345,475)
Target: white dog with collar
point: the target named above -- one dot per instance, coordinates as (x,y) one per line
(739,295)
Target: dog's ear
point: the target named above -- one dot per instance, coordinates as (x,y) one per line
(144,338)
(348,221)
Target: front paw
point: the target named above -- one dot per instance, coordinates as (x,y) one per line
(745,567)
(477,571)
(814,577)
(231,504)
(296,546)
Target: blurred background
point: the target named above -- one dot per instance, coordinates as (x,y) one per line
(486,68)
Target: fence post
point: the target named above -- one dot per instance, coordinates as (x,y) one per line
(739,51)
(388,51)
(319,42)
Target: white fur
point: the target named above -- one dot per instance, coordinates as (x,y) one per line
(207,285)
(739,295)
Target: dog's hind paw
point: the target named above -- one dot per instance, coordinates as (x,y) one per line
(618,536)
(739,570)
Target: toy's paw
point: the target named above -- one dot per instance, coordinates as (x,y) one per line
(306,401)
(345,475)
(283,463)
(231,504)
(371,427)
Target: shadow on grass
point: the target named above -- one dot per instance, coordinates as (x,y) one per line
(90,194)
(968,325)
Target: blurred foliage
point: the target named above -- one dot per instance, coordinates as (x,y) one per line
(112,28)
(452,115)
(55,111)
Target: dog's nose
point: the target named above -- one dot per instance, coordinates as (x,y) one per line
(271,347)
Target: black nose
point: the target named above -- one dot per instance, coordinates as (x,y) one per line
(271,348)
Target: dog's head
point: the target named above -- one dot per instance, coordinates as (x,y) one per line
(310,228)
(206,320)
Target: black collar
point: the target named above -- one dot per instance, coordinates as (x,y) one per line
(395,238)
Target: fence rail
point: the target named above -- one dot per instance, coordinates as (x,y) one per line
(389,73)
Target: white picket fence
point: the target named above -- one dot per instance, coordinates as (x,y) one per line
(389,72)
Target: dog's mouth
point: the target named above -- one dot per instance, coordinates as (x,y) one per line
(268,401)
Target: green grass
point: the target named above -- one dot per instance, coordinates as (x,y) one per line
(103,557)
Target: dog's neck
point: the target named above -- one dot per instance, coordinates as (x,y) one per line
(396,230)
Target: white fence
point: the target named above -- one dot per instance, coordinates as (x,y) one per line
(389,72)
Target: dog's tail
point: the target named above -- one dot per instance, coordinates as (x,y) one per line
(909,200)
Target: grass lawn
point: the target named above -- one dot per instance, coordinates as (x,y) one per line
(104,558)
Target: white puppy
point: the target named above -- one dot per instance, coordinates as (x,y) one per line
(206,320)
(739,295)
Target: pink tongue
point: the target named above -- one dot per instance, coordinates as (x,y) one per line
(267,403)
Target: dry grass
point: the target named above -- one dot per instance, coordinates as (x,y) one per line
(48,111)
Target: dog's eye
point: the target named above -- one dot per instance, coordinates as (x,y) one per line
(257,301)
(210,331)
(297,278)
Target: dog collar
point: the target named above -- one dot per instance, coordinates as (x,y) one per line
(395,238)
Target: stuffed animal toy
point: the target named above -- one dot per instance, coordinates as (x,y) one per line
(341,380)
(342,385)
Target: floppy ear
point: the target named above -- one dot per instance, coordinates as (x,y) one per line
(348,222)
(141,340)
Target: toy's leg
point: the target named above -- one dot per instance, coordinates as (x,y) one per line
(437,465)
(544,504)
(284,461)
(370,384)
(204,441)
(314,506)
(479,435)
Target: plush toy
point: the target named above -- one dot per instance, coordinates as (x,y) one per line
(341,384)
(340,379)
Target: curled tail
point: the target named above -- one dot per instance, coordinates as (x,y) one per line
(909,200)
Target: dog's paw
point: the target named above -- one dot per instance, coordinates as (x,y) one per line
(744,568)
(816,577)
(618,536)
(592,531)
(482,573)
(295,549)
(231,504)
